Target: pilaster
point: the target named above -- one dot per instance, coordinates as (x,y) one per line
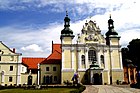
(98,58)
(86,58)
(120,56)
(105,58)
(63,58)
(79,59)
(72,57)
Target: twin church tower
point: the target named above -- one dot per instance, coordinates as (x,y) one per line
(95,58)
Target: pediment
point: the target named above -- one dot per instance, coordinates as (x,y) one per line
(92,33)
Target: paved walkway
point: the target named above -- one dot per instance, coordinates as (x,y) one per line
(109,89)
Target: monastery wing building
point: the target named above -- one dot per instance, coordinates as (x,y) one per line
(95,58)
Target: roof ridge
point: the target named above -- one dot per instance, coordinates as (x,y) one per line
(57,51)
(33,57)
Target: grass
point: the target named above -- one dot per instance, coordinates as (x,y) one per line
(49,90)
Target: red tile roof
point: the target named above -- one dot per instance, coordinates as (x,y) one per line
(56,47)
(54,58)
(32,62)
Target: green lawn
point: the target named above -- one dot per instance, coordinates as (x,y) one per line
(49,90)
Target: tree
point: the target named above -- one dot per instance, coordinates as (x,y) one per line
(124,56)
(134,52)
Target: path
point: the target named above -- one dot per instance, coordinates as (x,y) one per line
(109,89)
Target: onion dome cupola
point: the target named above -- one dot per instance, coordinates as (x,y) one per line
(67,32)
(111,30)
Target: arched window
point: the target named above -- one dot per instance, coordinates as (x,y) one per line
(102,59)
(91,55)
(83,59)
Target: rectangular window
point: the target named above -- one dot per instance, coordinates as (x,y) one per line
(10,79)
(11,68)
(47,68)
(55,78)
(54,68)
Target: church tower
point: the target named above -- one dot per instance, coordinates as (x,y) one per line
(115,62)
(112,37)
(66,37)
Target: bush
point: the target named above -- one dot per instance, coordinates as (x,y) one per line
(81,89)
(124,83)
(68,83)
(135,85)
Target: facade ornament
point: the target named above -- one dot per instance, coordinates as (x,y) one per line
(104,50)
(72,50)
(111,50)
(85,50)
(98,50)
(78,50)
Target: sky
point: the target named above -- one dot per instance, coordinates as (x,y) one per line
(30,26)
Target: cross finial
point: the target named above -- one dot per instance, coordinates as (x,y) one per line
(110,16)
(90,17)
(66,13)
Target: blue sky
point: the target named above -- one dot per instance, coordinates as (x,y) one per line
(31,25)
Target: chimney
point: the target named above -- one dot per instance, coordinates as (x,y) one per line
(52,46)
(14,50)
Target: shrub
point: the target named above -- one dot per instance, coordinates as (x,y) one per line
(133,85)
(68,83)
(124,83)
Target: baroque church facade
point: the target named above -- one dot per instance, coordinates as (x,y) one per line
(95,58)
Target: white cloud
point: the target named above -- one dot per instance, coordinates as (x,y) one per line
(124,13)
(129,35)
(31,42)
(32,47)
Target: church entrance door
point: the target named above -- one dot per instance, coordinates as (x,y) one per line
(30,80)
(97,79)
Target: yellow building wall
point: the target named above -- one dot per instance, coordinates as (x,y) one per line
(9,58)
(67,75)
(116,59)
(114,41)
(67,57)
(51,72)
(107,59)
(75,60)
(67,40)
(6,80)
(105,77)
(8,73)
(117,75)
(24,78)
